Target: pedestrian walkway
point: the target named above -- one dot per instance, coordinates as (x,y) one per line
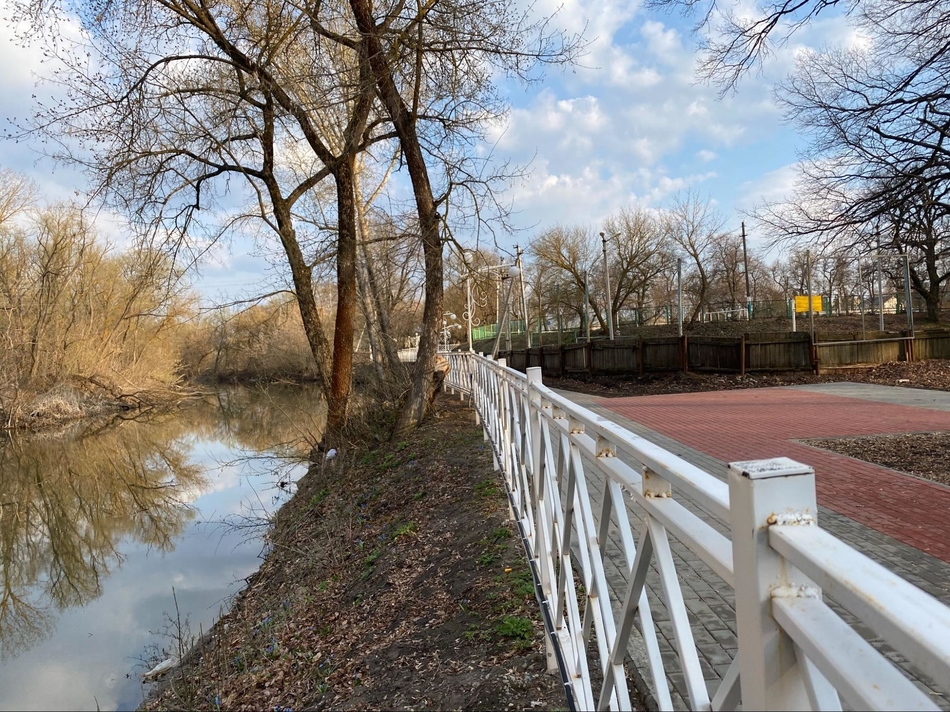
(759,423)
(711,429)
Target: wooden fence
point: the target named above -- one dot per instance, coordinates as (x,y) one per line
(747,353)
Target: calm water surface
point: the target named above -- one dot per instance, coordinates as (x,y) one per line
(98,525)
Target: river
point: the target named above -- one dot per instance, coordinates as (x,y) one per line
(99,524)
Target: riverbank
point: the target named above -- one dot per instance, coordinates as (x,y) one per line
(394,579)
(85,399)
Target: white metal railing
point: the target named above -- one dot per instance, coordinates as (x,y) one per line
(794,651)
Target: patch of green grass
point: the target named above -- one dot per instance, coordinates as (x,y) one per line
(369,561)
(320,674)
(516,628)
(389,461)
(402,445)
(488,558)
(318,498)
(404,530)
(486,488)
(419,495)
(522,583)
(369,457)
(472,632)
(499,534)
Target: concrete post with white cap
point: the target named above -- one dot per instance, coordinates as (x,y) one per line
(763,493)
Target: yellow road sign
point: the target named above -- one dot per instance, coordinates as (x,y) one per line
(801,304)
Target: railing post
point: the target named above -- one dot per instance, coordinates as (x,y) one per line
(477,383)
(539,546)
(762,493)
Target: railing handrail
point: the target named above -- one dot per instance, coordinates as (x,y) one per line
(793,649)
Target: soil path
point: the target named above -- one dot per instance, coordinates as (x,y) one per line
(767,422)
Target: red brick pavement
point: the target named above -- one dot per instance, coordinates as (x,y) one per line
(760,423)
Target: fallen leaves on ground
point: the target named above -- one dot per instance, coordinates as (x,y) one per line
(923,454)
(395,580)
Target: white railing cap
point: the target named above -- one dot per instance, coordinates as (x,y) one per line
(773,467)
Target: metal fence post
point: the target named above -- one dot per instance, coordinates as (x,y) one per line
(762,493)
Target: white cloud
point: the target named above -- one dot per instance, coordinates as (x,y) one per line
(663,42)
(629,124)
(20,65)
(771,187)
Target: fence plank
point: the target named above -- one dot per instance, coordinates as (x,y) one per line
(714,353)
(754,352)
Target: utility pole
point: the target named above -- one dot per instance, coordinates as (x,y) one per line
(540,317)
(679,296)
(880,282)
(524,302)
(560,320)
(907,294)
(586,304)
(610,316)
(811,311)
(745,260)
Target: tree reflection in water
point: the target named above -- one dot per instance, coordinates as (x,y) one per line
(68,501)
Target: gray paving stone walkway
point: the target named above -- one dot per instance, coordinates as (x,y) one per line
(894,395)
(710,600)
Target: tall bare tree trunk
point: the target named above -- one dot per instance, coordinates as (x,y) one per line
(341,381)
(404,122)
(300,272)
(307,304)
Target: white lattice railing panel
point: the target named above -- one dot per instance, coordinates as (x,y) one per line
(794,651)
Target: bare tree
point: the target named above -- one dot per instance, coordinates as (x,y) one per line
(640,257)
(433,65)
(568,254)
(695,228)
(181,96)
(16,195)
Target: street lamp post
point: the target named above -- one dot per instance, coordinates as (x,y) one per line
(907,294)
(609,303)
(466,257)
(501,272)
(745,261)
(864,333)
(811,310)
(679,296)
(468,310)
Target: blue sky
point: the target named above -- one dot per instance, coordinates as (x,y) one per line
(631,126)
